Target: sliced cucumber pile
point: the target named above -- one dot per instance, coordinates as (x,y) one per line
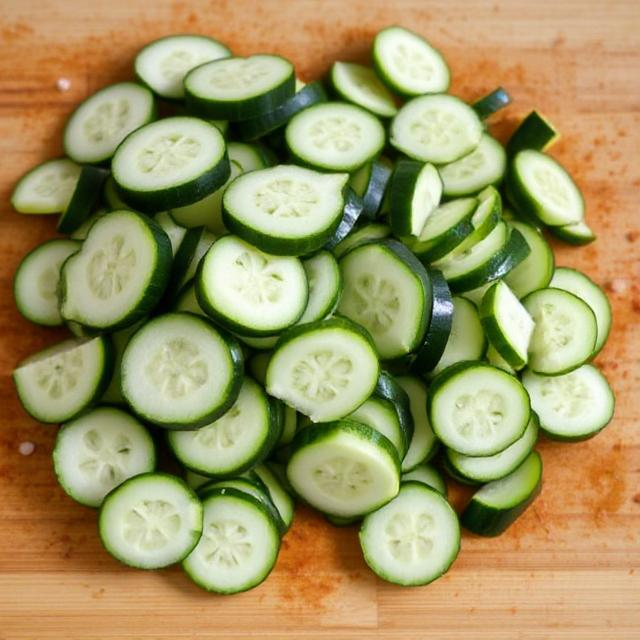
(399,315)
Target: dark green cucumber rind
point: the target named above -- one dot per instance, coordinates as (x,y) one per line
(84,199)
(439,329)
(110,495)
(566,234)
(510,255)
(534,132)
(257,366)
(487,225)
(484,520)
(376,189)
(254,128)
(263,474)
(180,266)
(388,389)
(492,102)
(353,207)
(339,521)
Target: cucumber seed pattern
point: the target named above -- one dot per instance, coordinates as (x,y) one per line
(412,62)
(151,524)
(409,536)
(478,414)
(238,74)
(568,395)
(111,268)
(436,128)
(254,278)
(342,478)
(108,121)
(376,302)
(335,133)
(224,432)
(168,153)
(59,375)
(287,198)
(105,458)
(322,375)
(226,543)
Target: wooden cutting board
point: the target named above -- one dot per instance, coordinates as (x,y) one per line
(569,568)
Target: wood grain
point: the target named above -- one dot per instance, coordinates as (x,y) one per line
(569,568)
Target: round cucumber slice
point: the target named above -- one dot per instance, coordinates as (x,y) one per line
(428,475)
(325,286)
(380,414)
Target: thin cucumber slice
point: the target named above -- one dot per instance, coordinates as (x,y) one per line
(578,233)
(179,372)
(150,521)
(58,383)
(494,358)
(204,241)
(258,342)
(163,64)
(534,132)
(105,119)
(239,88)
(587,290)
(195,480)
(257,366)
(477,409)
(484,166)
(35,285)
(343,468)
(362,235)
(437,128)
(414,193)
(111,197)
(507,324)
(541,188)
(380,414)
(47,188)
(277,492)
(388,388)
(187,301)
(408,64)
(325,286)
(497,505)
(488,468)
(565,331)
(325,370)
(484,219)
(289,427)
(334,136)
(239,544)
(428,475)
(375,190)
(118,275)
(360,85)
(486,106)
(387,291)
(414,539)
(285,210)
(249,291)
(85,197)
(353,208)
(98,451)
(119,340)
(475,295)
(174,231)
(571,407)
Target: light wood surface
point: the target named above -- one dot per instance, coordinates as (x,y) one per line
(569,568)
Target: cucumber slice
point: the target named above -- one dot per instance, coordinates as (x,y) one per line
(389,389)
(179,372)
(408,64)
(492,102)
(98,451)
(334,136)
(47,188)
(373,193)
(163,64)
(477,409)
(497,505)
(387,291)
(380,415)
(150,521)
(325,286)
(105,119)
(534,132)
(353,208)
(565,331)
(571,407)
(438,129)
(35,285)
(195,480)
(85,197)
(83,230)
(368,233)
(203,241)
(58,383)
(343,468)
(259,343)
(360,85)
(414,539)
(285,210)
(278,493)
(494,358)
(174,231)
(118,275)
(578,233)
(325,370)
(484,219)
(119,340)
(239,545)
(428,475)
(249,291)
(111,197)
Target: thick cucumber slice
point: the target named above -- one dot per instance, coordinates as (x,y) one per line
(239,544)
(387,291)
(380,414)
(428,475)
(179,372)
(438,129)
(325,370)
(56,384)
(507,324)
(325,286)
(423,442)
(47,188)
(151,521)
(285,210)
(35,285)
(353,208)
(360,85)
(249,291)
(477,409)
(574,406)
(105,119)
(485,218)
(235,442)
(542,189)
(578,233)
(414,193)
(174,231)
(492,102)
(487,468)
(119,340)
(587,290)
(163,64)
(495,507)
(484,166)
(536,270)
(334,136)
(277,492)
(119,274)
(98,451)
(414,539)
(343,468)
(362,235)
(534,132)
(83,200)
(565,331)
(408,64)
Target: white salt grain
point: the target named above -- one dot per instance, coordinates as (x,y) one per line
(63,84)
(26,448)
